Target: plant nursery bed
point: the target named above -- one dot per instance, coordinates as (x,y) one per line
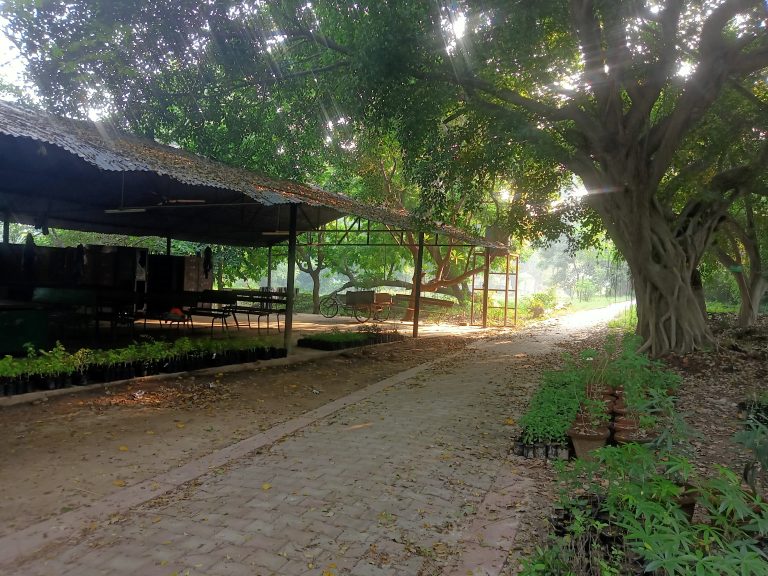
(543,451)
(55,369)
(342,340)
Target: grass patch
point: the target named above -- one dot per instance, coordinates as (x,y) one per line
(625,321)
(717,307)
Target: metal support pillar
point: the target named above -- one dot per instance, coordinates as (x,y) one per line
(168,246)
(486,281)
(517,271)
(506,291)
(288,334)
(417,285)
(269,267)
(6,228)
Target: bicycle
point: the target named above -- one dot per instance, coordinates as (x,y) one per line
(361,305)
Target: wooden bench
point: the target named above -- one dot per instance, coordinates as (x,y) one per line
(261,303)
(425,301)
(205,306)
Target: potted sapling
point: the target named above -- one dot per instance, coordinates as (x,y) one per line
(590,428)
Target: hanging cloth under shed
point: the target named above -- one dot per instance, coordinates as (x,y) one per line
(207,261)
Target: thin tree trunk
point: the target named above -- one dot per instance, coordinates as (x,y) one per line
(315,275)
(408,314)
(752,287)
(751,295)
(698,290)
(219,276)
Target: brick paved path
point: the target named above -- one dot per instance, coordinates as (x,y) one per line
(412,480)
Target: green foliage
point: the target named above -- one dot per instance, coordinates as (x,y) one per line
(552,408)
(622,511)
(339,337)
(531,95)
(585,289)
(636,372)
(754,438)
(634,493)
(536,305)
(625,321)
(59,361)
(577,388)
(719,284)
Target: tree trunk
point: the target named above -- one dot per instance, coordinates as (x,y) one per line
(751,295)
(698,291)
(408,314)
(669,316)
(219,276)
(315,275)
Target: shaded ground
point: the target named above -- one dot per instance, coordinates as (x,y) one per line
(60,454)
(424,457)
(98,443)
(715,382)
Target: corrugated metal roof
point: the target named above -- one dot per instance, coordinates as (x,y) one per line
(108,148)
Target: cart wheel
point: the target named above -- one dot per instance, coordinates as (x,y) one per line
(329,307)
(362,313)
(381,314)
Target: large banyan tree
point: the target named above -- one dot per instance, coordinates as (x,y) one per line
(606,89)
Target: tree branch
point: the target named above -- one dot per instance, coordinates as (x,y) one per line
(296,30)
(645,95)
(717,61)
(544,111)
(590,38)
(280,77)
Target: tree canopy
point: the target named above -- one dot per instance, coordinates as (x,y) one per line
(529,93)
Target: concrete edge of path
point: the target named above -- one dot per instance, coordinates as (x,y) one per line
(30,540)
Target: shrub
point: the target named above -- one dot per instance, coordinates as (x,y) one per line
(621,513)
(629,520)
(538,303)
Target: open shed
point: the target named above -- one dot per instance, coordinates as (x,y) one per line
(90,176)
